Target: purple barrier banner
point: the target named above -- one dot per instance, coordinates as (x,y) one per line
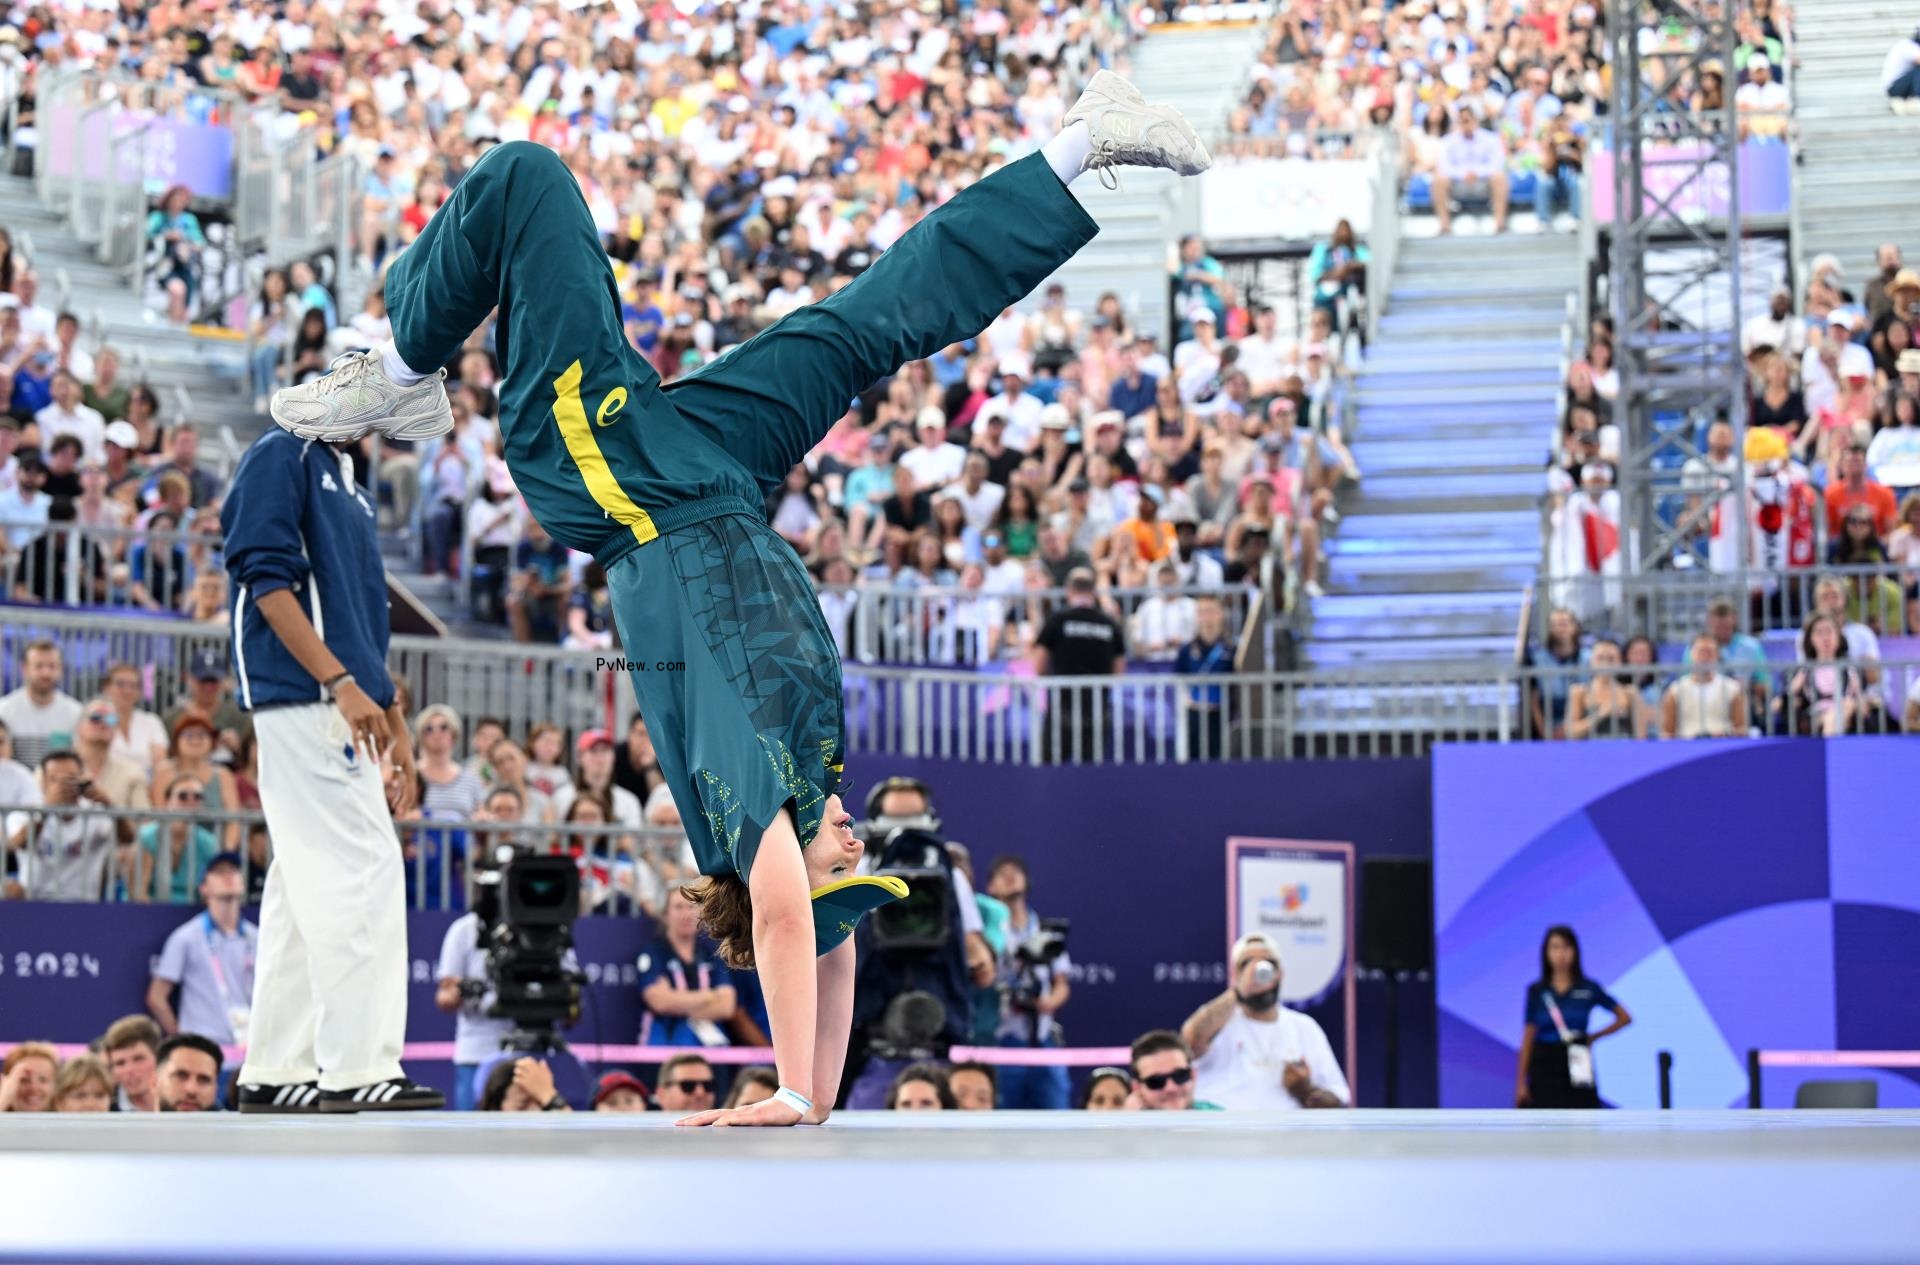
(1766,180)
(178,151)
(67,971)
(1732,895)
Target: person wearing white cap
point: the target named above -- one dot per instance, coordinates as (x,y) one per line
(1253,1054)
(1022,410)
(1762,101)
(934,463)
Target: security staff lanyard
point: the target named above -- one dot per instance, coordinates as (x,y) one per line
(1579,1056)
(238,1011)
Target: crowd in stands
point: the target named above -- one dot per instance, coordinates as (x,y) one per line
(1483,103)
(1831,460)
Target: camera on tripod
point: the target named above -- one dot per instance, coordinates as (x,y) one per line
(1042,948)
(526,903)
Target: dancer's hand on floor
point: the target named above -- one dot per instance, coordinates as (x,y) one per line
(770,1114)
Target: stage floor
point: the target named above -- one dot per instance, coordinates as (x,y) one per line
(1350,1187)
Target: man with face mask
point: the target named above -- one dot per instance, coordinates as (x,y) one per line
(1252,1053)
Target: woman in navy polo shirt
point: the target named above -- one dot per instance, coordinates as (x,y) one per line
(1556,1058)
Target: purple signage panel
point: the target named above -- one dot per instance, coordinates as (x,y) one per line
(178,150)
(1766,180)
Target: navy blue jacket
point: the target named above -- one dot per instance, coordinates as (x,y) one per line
(294,519)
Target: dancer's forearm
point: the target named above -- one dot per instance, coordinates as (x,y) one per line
(835,974)
(783,953)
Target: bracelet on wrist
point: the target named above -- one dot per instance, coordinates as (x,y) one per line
(794,1099)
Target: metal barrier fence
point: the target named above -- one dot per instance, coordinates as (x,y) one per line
(949,626)
(109,568)
(1349,713)
(139,854)
(1671,606)
(1013,718)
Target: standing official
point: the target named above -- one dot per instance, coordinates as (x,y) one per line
(310,657)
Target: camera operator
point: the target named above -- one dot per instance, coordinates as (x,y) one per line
(1033,981)
(920,963)
(464,989)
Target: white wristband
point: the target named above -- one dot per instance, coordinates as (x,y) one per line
(799,1102)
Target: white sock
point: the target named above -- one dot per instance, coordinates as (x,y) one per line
(398,371)
(1067,152)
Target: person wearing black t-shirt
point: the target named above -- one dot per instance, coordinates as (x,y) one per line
(635,766)
(906,511)
(1079,639)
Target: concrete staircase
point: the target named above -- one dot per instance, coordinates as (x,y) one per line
(1199,71)
(1454,421)
(212,371)
(1858,184)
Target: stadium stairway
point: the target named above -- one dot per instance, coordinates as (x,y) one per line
(1857,184)
(1454,419)
(210,370)
(1200,71)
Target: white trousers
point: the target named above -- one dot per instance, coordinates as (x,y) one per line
(330,986)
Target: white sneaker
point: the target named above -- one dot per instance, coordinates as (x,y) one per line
(1312,589)
(355,396)
(1126,131)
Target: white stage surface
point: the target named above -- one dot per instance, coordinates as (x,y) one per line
(1346,1187)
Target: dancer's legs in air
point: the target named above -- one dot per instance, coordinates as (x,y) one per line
(738,678)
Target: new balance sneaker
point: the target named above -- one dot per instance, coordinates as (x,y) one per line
(279,1100)
(355,397)
(393,1095)
(1128,131)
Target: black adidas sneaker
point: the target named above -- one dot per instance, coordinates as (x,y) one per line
(279,1100)
(393,1095)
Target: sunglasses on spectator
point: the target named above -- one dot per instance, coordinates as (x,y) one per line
(189,797)
(1178,1076)
(103,718)
(691,1086)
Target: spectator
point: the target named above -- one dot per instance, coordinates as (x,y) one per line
(191,756)
(1079,640)
(209,959)
(189,1073)
(685,1085)
(83,1085)
(1762,102)
(1035,987)
(1162,1074)
(973,1086)
(636,765)
(1473,166)
(25,508)
(1779,404)
(620,1092)
(1164,622)
(1254,1053)
(1606,706)
(1133,390)
(1547,693)
(686,990)
(209,695)
(1111,1089)
(1900,74)
(452,791)
(68,415)
(139,738)
(1853,487)
(521,1085)
(921,1087)
(1704,703)
(1337,270)
(189,847)
(935,462)
(181,242)
(1740,651)
(1779,333)
(596,763)
(1556,1061)
(1894,455)
(39,715)
(752,1085)
(541,588)
(131,1047)
(1823,696)
(27,1077)
(1208,652)
(545,773)
(590,623)
(66,853)
(1198,281)
(508,765)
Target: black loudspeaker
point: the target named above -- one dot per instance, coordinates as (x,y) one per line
(1396,914)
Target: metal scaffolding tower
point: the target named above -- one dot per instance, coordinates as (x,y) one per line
(1674,273)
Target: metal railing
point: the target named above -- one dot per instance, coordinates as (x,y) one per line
(626,871)
(1388,711)
(106,568)
(947,625)
(1671,606)
(1383,236)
